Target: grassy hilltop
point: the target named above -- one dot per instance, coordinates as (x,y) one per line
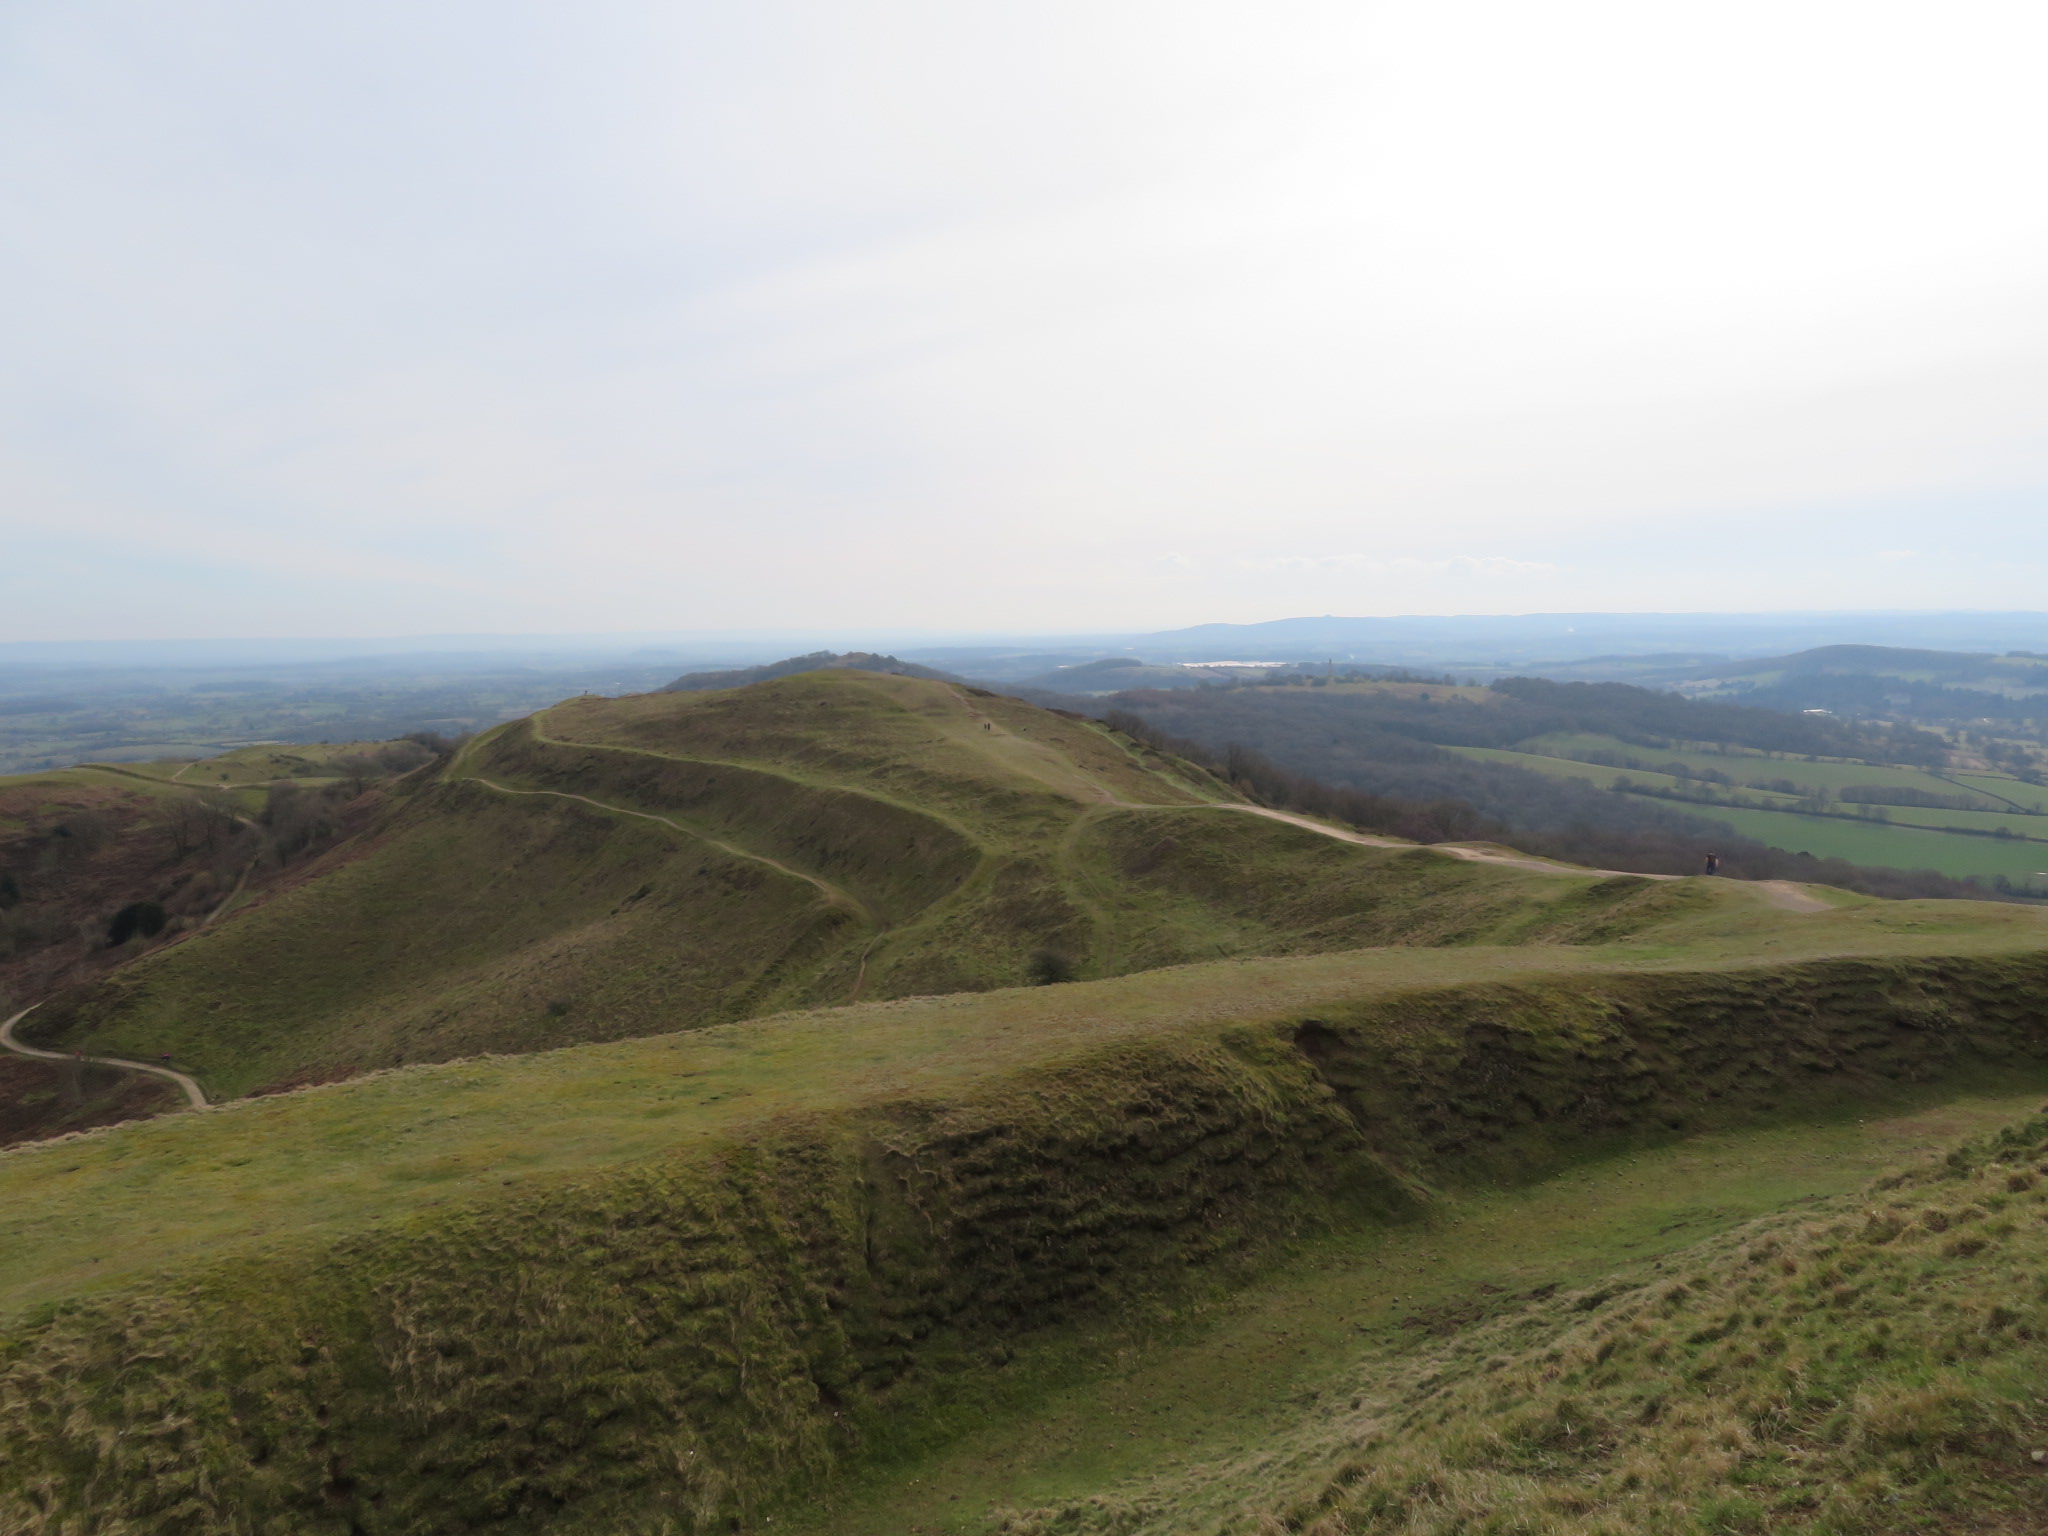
(617,867)
(1349,1189)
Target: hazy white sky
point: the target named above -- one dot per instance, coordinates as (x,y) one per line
(460,315)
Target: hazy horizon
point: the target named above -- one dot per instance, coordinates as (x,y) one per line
(1048,319)
(1383,639)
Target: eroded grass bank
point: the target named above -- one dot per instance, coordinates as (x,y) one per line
(1216,1418)
(682,1342)
(1865,1364)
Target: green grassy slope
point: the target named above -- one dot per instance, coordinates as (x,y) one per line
(265,764)
(1867,1362)
(616,868)
(1229,1416)
(397,1142)
(667,1280)
(63,785)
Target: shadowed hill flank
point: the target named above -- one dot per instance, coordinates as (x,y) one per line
(621,867)
(663,1284)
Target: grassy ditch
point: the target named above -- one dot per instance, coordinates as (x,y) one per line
(1871,1366)
(1225,1415)
(687,1339)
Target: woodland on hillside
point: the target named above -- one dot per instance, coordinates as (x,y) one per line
(1380,759)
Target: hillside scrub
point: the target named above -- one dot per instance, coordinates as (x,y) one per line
(681,1342)
(101,866)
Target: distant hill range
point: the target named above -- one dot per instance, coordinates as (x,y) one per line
(1547,639)
(1116,674)
(1887,682)
(816,661)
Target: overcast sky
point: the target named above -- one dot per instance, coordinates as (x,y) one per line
(490,315)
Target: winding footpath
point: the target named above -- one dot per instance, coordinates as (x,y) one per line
(832,893)
(1787,895)
(194,1094)
(1784,894)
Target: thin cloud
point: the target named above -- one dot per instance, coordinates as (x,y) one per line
(1373,565)
(651,316)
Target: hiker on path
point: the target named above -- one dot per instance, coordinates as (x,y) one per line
(1713,863)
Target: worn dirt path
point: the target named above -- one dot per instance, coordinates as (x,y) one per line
(831,892)
(1783,894)
(1786,895)
(194,1094)
(1790,895)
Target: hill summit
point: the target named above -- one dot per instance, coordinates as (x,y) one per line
(615,867)
(816,661)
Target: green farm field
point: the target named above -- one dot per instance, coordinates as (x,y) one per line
(2005,787)
(1755,767)
(1832,837)
(1597,773)
(1900,840)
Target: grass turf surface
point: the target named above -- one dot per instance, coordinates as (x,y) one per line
(91,1211)
(1197,1414)
(1015,1160)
